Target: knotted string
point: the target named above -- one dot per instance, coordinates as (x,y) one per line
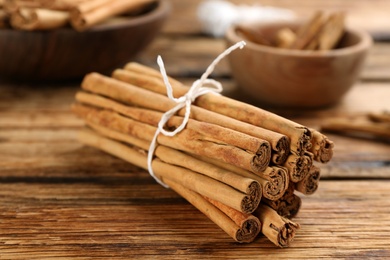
(199,87)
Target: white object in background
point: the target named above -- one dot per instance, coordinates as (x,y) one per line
(216,16)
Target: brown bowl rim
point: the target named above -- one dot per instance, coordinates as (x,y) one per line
(365,43)
(161,10)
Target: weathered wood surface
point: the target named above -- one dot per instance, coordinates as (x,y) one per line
(59,198)
(132,217)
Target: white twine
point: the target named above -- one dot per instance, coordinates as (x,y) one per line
(199,87)
(216,16)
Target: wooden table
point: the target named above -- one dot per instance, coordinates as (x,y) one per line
(59,198)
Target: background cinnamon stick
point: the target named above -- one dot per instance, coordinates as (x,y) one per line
(38,19)
(93,12)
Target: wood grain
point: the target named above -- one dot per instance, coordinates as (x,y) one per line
(124,219)
(60,199)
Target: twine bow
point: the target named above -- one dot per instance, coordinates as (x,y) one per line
(199,87)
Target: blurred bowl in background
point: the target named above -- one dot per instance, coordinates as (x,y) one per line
(297,78)
(67,54)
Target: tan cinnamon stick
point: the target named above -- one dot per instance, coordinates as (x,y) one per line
(38,19)
(93,12)
(213,133)
(285,38)
(288,205)
(197,182)
(322,147)
(383,117)
(361,128)
(308,31)
(280,144)
(281,231)
(298,166)
(132,95)
(250,226)
(171,156)
(298,134)
(11,6)
(332,31)
(244,233)
(274,180)
(187,140)
(310,183)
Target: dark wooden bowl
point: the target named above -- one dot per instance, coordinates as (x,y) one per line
(67,54)
(297,78)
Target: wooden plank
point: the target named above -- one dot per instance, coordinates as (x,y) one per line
(36,97)
(136,219)
(360,13)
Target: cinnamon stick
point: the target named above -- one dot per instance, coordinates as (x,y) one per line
(288,205)
(298,134)
(250,226)
(281,231)
(310,183)
(197,182)
(383,117)
(11,6)
(332,31)
(244,233)
(274,180)
(62,5)
(187,140)
(322,147)
(285,38)
(298,166)
(38,19)
(360,128)
(213,133)
(307,32)
(171,156)
(93,12)
(280,143)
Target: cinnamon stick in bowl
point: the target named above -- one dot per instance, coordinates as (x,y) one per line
(89,13)
(38,19)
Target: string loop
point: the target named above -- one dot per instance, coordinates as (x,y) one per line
(198,88)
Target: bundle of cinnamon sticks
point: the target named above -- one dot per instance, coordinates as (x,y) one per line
(321,32)
(240,165)
(51,14)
